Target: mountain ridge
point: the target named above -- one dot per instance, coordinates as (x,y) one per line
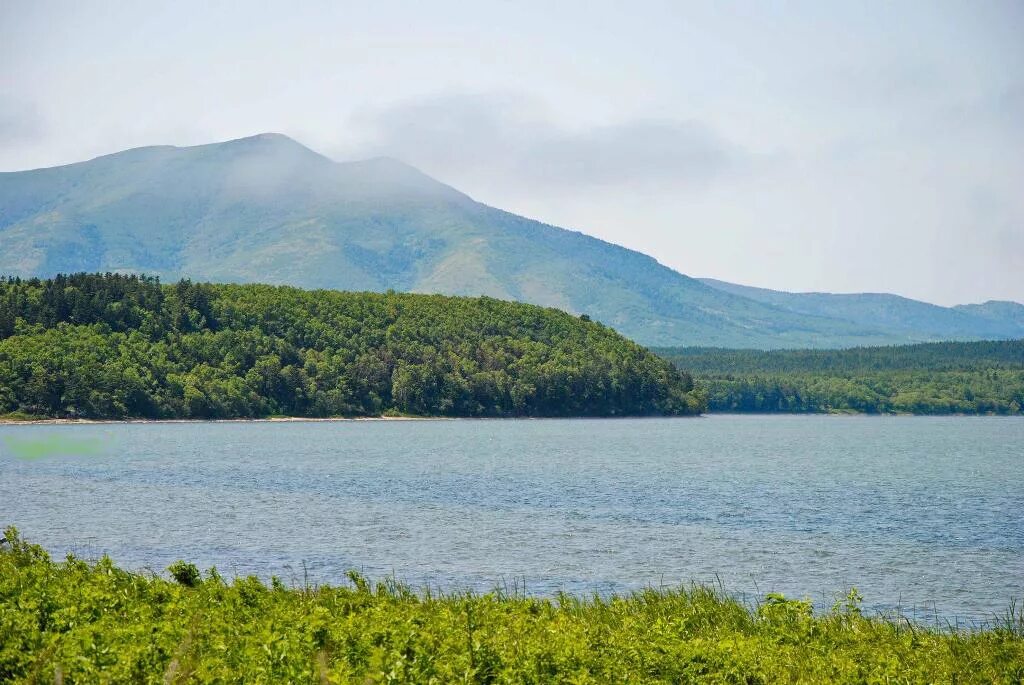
(893,312)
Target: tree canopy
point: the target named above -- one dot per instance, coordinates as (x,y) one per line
(929,378)
(121,346)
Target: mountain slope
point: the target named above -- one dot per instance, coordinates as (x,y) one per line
(896,316)
(999,311)
(267,209)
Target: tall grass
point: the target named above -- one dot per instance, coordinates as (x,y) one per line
(79,622)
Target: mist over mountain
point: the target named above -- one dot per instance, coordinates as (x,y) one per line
(267,209)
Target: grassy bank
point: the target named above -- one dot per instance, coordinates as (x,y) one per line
(75,622)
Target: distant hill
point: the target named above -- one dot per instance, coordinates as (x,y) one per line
(267,209)
(899,317)
(931,378)
(110,346)
(941,356)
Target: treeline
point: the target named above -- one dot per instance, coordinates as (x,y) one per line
(119,346)
(931,378)
(941,356)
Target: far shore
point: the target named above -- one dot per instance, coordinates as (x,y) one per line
(8,421)
(272,419)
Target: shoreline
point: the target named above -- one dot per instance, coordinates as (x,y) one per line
(347,419)
(271,419)
(328,419)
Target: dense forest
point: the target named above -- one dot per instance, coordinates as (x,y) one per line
(930,378)
(117,346)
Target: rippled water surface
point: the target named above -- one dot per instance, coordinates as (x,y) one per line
(922,513)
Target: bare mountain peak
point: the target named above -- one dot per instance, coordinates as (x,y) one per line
(269,145)
(272,146)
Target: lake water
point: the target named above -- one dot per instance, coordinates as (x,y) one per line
(922,513)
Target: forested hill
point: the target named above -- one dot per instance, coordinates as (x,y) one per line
(946,356)
(932,378)
(113,346)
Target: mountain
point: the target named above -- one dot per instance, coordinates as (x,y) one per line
(912,320)
(999,311)
(267,209)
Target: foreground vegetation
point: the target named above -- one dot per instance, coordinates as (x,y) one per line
(76,622)
(113,346)
(931,378)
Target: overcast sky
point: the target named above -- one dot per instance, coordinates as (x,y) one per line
(858,146)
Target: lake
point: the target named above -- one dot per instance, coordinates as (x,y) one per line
(921,513)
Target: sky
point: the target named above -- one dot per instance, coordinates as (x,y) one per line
(806,146)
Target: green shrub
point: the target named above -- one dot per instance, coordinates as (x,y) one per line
(186,574)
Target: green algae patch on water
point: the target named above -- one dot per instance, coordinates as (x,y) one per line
(52,445)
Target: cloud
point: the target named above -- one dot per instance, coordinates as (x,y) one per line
(1008,107)
(20,121)
(517,141)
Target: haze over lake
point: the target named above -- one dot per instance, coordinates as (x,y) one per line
(924,513)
